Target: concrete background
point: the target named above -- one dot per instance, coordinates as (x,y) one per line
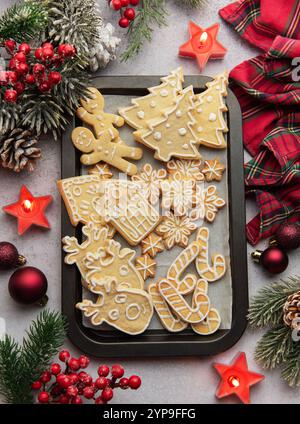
(167,380)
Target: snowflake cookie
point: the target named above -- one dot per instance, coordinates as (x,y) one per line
(185,169)
(146,266)
(175,230)
(213,170)
(150,179)
(212,202)
(102,169)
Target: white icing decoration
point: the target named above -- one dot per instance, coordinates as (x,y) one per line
(199,110)
(120,298)
(141,114)
(173,83)
(114,314)
(77,191)
(157,136)
(169,142)
(209,99)
(164,93)
(137,314)
(185,146)
(182,131)
(218,87)
(152,103)
(178,113)
(124,270)
(199,129)
(168,125)
(212,117)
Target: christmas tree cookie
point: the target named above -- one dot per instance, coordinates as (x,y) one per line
(208,113)
(150,106)
(172,134)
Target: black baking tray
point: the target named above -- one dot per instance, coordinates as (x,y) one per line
(159,342)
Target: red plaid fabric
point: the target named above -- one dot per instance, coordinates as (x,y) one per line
(269,97)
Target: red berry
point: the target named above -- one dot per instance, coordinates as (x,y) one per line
(12,64)
(107,394)
(74,364)
(22,68)
(19,87)
(103,371)
(55,369)
(20,57)
(73,377)
(63,399)
(101,383)
(117,371)
(72,391)
(29,79)
(39,53)
(43,397)
(123,22)
(100,401)
(129,14)
(116,4)
(61,49)
(88,392)
(69,50)
(134,2)
(24,48)
(85,378)
(83,361)
(47,53)
(124,3)
(55,78)
(56,390)
(47,45)
(38,68)
(124,383)
(134,382)
(11,76)
(76,400)
(36,385)
(45,377)
(64,355)
(63,381)
(45,86)
(10,45)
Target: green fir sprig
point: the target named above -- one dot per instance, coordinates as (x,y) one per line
(20,365)
(278,347)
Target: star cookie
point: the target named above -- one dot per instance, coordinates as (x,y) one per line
(213,170)
(152,245)
(146,266)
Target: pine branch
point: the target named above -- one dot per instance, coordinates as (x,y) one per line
(22,21)
(274,347)
(9,116)
(266,308)
(150,12)
(194,3)
(290,371)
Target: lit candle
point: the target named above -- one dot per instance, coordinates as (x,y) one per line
(27,205)
(203,38)
(233,381)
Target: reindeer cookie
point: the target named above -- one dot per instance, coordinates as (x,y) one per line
(127,310)
(92,113)
(104,149)
(170,321)
(218,268)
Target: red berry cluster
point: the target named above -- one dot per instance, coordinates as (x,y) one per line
(27,67)
(127,13)
(72,385)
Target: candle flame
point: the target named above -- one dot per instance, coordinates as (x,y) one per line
(233,381)
(27,205)
(203,38)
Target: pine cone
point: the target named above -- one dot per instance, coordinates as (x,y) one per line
(291,311)
(18,150)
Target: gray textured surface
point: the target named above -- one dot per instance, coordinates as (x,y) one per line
(184,380)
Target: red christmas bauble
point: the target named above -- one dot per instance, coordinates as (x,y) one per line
(28,285)
(10,96)
(129,14)
(9,256)
(24,48)
(288,236)
(273,259)
(123,22)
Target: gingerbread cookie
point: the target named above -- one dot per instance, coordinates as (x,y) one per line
(170,321)
(218,268)
(183,260)
(150,180)
(178,195)
(212,202)
(151,106)
(102,169)
(213,170)
(210,124)
(175,230)
(92,113)
(146,266)
(179,305)
(103,149)
(128,310)
(172,134)
(152,245)
(185,169)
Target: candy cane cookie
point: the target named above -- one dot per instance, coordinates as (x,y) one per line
(218,268)
(183,310)
(170,321)
(212,322)
(183,260)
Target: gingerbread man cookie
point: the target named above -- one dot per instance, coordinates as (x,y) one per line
(103,149)
(92,113)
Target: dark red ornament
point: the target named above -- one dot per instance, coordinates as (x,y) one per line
(28,285)
(273,259)
(9,256)
(287,236)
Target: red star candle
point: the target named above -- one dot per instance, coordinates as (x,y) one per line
(203,44)
(29,210)
(236,379)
